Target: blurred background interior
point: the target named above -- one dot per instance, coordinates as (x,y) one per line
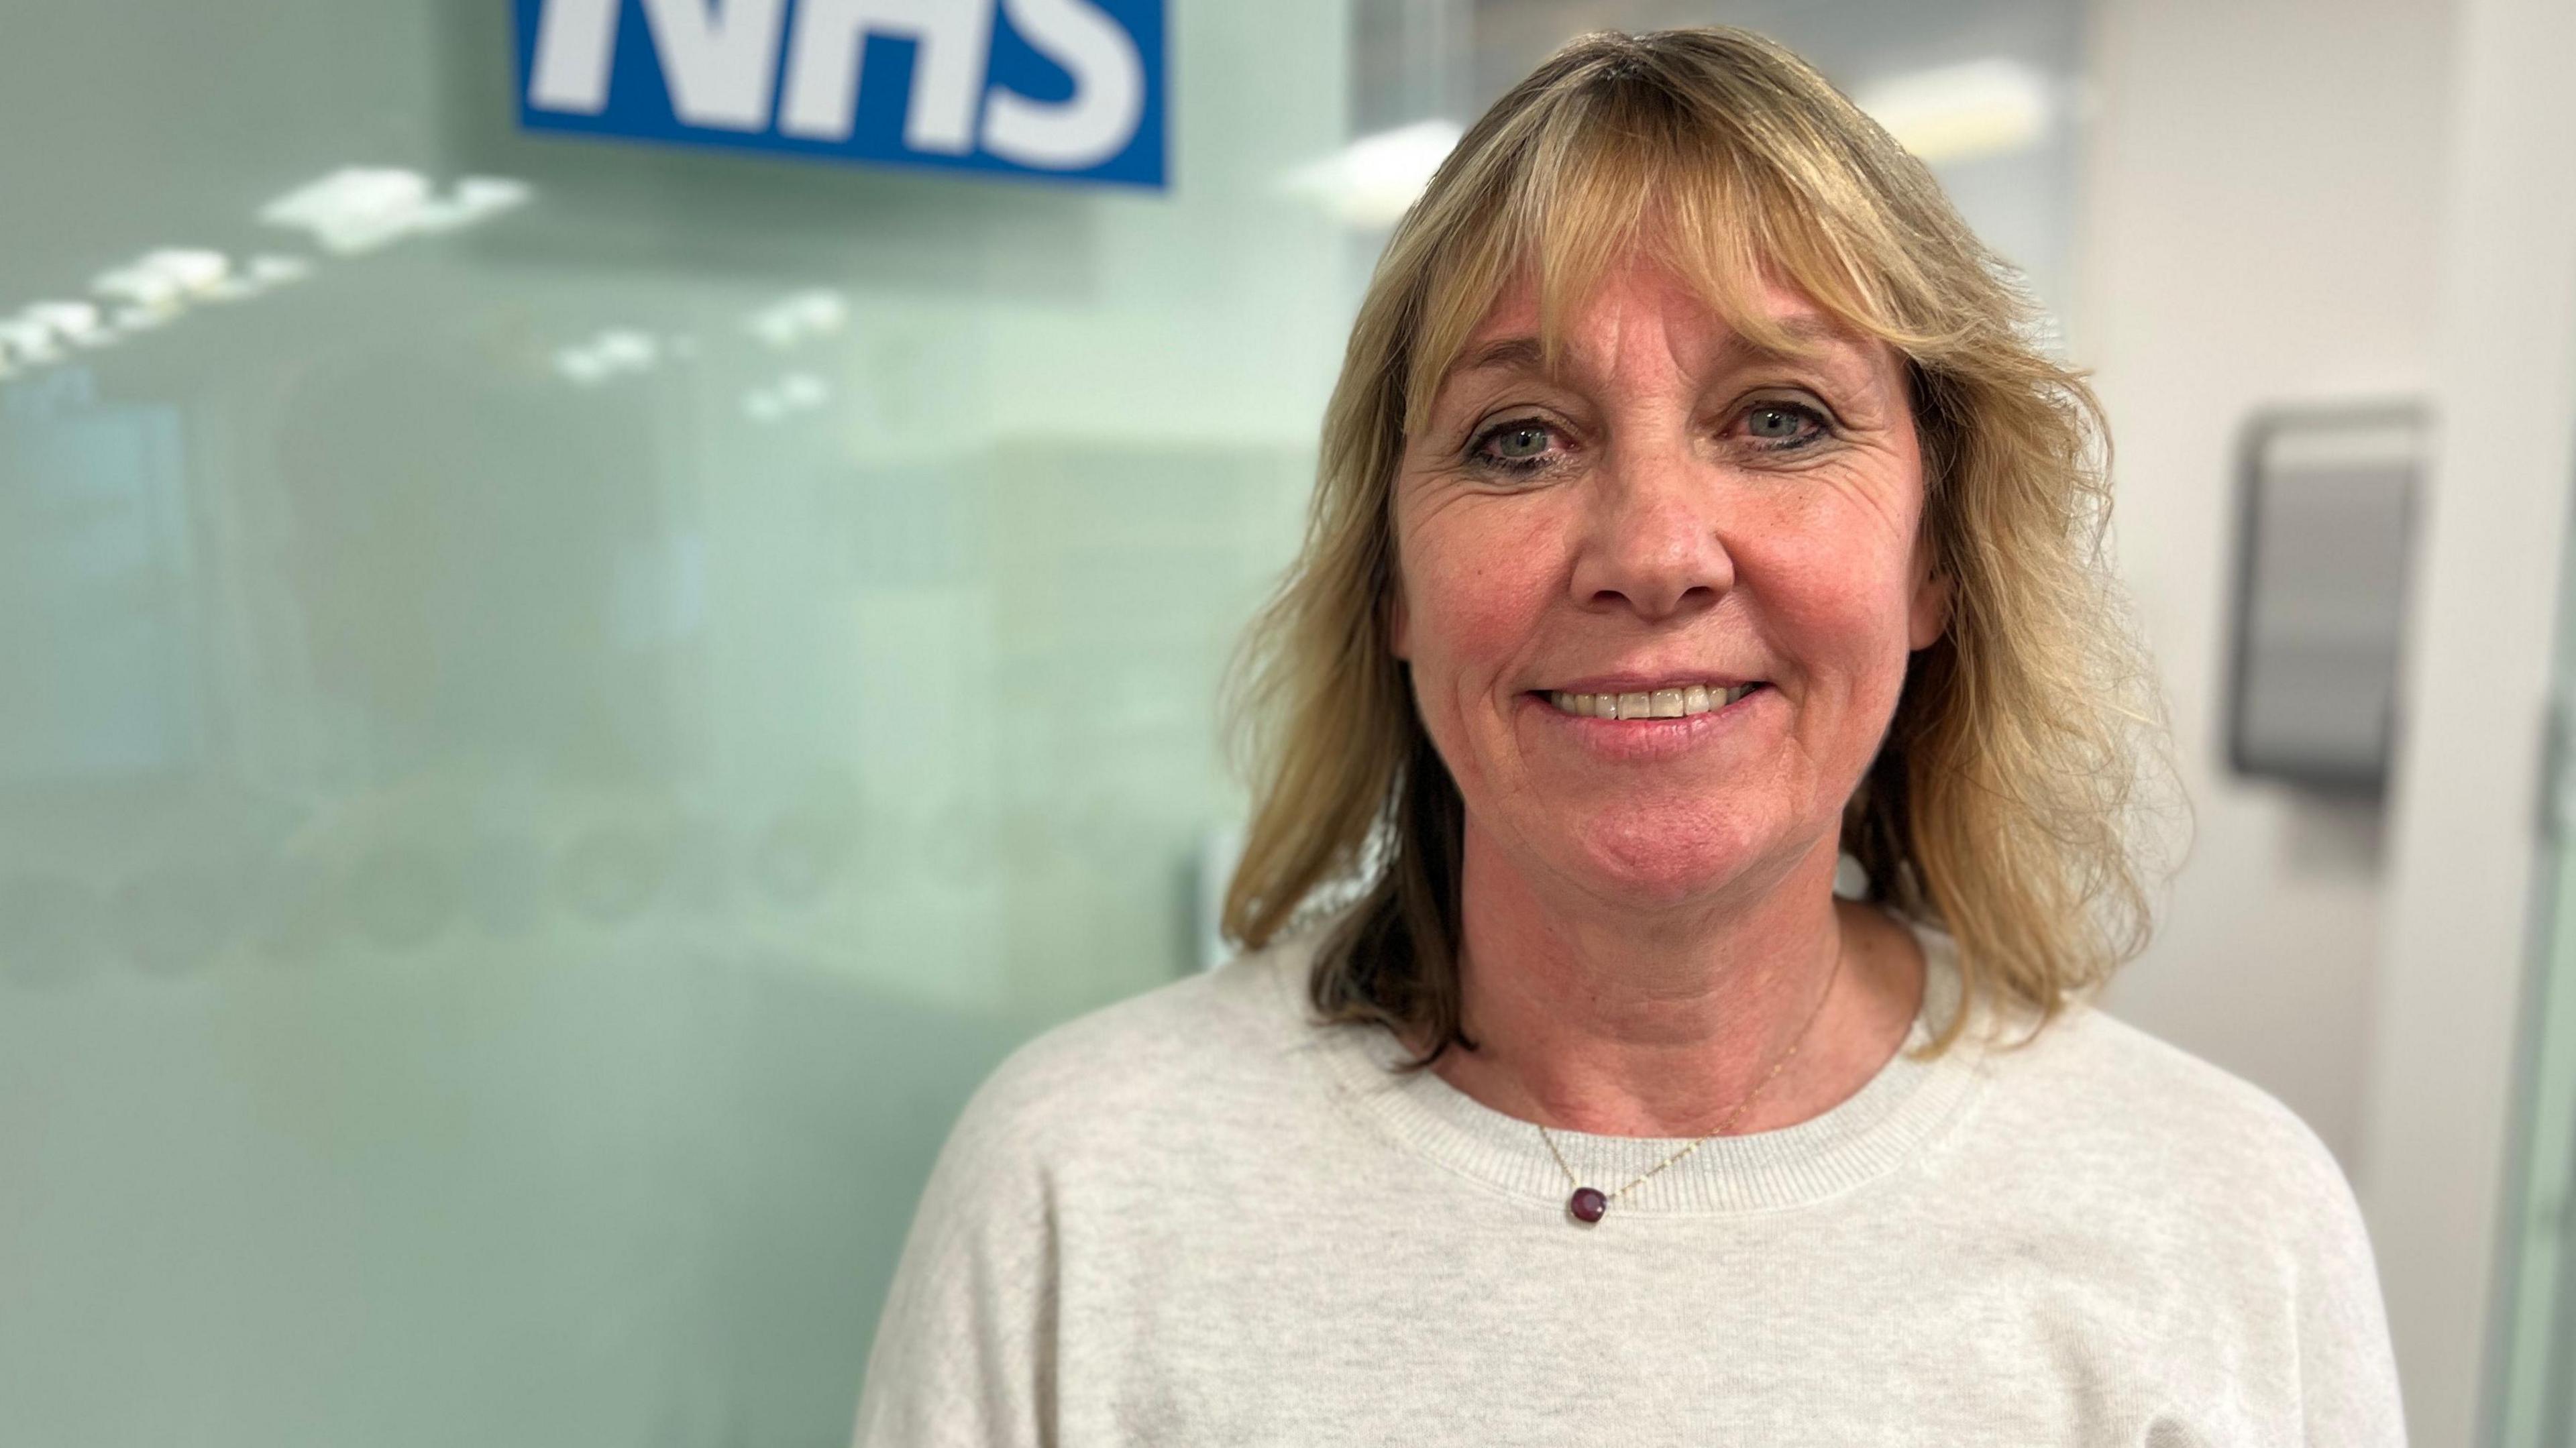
(563,700)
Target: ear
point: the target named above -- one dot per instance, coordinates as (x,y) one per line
(1928,616)
(1399,625)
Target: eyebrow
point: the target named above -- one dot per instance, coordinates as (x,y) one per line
(1516,354)
(1524,354)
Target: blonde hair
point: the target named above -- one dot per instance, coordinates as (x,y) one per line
(1998,806)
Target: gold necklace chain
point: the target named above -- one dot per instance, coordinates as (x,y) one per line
(1588,1203)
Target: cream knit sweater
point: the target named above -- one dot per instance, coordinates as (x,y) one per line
(1195,1218)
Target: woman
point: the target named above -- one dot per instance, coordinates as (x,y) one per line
(1695,512)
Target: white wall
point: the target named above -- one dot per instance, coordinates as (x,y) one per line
(2463,887)
(2261,226)
(2316,200)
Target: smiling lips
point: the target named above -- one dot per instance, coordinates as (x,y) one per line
(1678,703)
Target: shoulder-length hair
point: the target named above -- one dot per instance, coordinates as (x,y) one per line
(1998,805)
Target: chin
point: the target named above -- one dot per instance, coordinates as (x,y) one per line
(1663,863)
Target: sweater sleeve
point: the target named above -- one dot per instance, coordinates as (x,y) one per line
(2347,1367)
(965,1349)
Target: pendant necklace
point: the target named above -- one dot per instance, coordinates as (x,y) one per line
(1589,1203)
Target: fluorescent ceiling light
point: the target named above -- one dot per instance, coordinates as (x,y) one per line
(155,288)
(75,322)
(359,209)
(476,198)
(1371,181)
(794,319)
(25,339)
(1963,112)
(39,333)
(627,350)
(578,365)
(259,274)
(353,210)
(151,291)
(613,353)
(144,319)
(795,392)
(165,279)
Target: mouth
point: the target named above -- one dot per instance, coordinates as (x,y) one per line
(1678,701)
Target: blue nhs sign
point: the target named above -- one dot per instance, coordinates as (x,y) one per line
(1071,89)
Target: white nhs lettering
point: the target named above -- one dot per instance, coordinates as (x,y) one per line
(720,57)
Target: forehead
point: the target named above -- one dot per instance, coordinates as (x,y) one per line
(1640,298)
(1641,279)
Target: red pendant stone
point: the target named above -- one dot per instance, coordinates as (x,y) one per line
(1587,1204)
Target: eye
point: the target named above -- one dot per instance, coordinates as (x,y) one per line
(1519,443)
(1521,446)
(1780,426)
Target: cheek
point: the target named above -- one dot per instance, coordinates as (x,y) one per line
(1477,580)
(1842,612)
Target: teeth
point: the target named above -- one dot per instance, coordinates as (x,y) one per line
(1657,704)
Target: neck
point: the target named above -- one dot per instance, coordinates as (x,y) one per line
(1605,1019)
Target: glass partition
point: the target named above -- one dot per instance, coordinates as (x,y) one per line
(2531,1397)
(567,700)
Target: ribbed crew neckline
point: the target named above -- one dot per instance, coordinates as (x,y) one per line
(1895,1114)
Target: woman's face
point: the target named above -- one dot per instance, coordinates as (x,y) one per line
(1658,605)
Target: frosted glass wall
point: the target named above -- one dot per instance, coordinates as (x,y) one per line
(543,753)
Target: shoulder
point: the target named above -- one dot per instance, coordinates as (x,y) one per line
(1084,1118)
(1158,1068)
(2206,1195)
(2086,1100)
(2134,1124)
(2136,1089)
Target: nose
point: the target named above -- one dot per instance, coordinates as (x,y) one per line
(1652,537)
